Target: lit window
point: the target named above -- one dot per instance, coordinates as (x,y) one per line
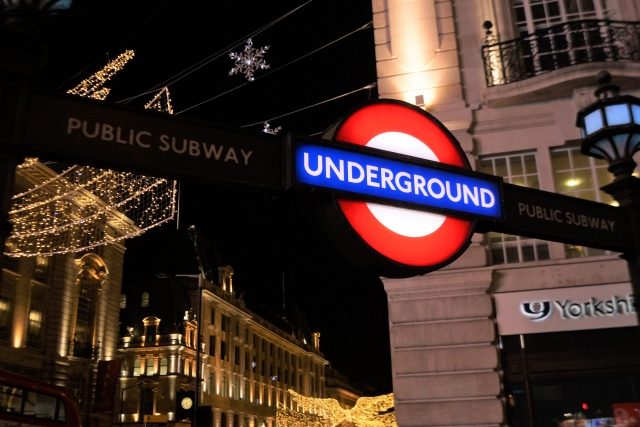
(41,270)
(35,327)
(577,175)
(519,169)
(5,315)
(136,368)
(144,300)
(164,365)
(123,301)
(150,367)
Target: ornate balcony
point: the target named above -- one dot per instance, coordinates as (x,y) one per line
(559,46)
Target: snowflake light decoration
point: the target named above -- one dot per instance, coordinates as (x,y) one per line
(249,60)
(268,129)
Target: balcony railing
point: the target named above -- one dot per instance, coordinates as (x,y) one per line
(559,46)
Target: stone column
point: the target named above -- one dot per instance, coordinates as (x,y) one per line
(443,350)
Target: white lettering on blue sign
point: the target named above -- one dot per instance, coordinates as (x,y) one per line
(365,174)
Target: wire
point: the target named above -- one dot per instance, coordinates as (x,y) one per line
(369,86)
(363,27)
(222,52)
(119,43)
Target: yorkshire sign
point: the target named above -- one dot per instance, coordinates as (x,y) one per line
(401,196)
(563,309)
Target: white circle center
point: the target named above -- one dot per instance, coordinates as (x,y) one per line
(407,222)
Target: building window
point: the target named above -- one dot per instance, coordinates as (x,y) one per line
(531,15)
(34,337)
(225,323)
(236,355)
(41,269)
(213,316)
(150,368)
(223,350)
(5,316)
(136,368)
(212,345)
(518,169)
(144,299)
(236,387)
(577,175)
(151,325)
(123,301)
(164,366)
(225,388)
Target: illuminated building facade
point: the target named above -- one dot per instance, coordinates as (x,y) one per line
(247,364)
(59,314)
(515,331)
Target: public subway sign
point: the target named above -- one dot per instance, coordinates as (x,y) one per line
(540,214)
(405,182)
(68,128)
(405,200)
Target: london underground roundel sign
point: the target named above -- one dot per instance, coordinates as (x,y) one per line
(414,241)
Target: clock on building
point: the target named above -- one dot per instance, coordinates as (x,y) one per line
(186,402)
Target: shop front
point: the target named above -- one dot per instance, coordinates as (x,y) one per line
(570,356)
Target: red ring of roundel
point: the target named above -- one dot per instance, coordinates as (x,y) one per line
(435,248)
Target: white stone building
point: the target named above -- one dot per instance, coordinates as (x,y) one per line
(507,77)
(247,363)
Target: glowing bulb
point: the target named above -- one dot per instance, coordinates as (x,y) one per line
(573,182)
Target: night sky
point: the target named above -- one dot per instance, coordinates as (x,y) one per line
(282,258)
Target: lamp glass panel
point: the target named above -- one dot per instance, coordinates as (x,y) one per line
(635,110)
(620,142)
(617,114)
(603,148)
(593,122)
(634,143)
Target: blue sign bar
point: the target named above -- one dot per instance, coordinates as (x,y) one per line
(368,175)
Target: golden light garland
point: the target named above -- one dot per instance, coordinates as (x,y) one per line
(82,207)
(374,411)
(95,83)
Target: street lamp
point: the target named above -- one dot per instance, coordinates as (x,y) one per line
(610,130)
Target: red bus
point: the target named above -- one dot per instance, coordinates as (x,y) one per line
(28,402)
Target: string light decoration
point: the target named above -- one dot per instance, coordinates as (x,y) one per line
(75,208)
(93,87)
(249,60)
(374,411)
(161,101)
